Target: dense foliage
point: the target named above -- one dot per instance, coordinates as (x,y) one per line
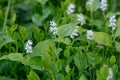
(59,40)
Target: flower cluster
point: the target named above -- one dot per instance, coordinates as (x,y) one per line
(81,19)
(90,34)
(28,46)
(110,74)
(53,27)
(103,5)
(74,33)
(112,22)
(71,8)
(89,2)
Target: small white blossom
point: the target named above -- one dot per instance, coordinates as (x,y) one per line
(81,19)
(70,8)
(99,46)
(28,46)
(89,2)
(52,24)
(90,34)
(74,33)
(112,22)
(110,74)
(53,27)
(103,5)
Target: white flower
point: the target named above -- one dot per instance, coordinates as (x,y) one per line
(74,33)
(71,8)
(90,34)
(112,22)
(54,30)
(99,46)
(103,5)
(81,19)
(53,24)
(28,46)
(89,2)
(53,27)
(110,74)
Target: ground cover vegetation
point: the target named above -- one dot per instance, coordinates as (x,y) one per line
(59,40)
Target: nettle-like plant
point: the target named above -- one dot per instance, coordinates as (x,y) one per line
(60,40)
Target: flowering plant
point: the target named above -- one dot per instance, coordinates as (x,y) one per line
(59,40)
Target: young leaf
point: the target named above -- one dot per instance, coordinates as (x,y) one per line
(112,60)
(33,76)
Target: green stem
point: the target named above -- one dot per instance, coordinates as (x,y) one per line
(52,76)
(5,20)
(88,46)
(91,13)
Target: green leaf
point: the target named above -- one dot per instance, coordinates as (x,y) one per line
(60,77)
(112,60)
(80,61)
(46,12)
(13,28)
(37,19)
(4,39)
(67,29)
(66,53)
(6,78)
(115,68)
(23,33)
(117,46)
(43,2)
(97,60)
(33,76)
(103,38)
(13,57)
(38,34)
(118,23)
(13,18)
(94,7)
(48,52)
(82,77)
(117,33)
(103,73)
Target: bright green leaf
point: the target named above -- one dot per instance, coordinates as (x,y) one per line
(33,76)
(112,60)
(103,38)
